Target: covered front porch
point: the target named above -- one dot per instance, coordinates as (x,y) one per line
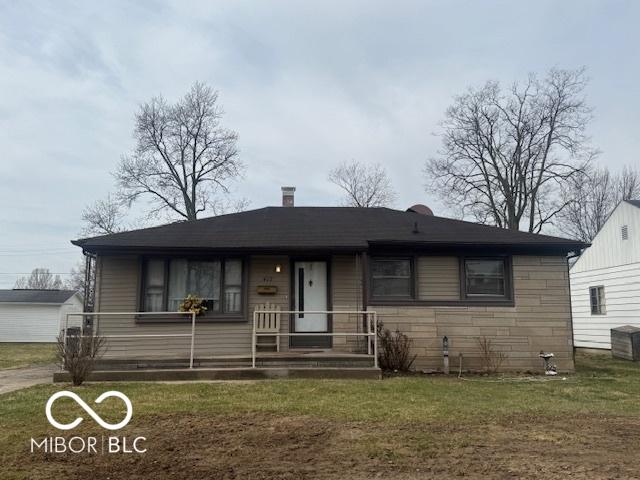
(132,348)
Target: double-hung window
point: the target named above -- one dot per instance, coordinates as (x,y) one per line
(596,299)
(167,282)
(391,278)
(485,278)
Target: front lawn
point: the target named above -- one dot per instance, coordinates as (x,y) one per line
(587,425)
(15,355)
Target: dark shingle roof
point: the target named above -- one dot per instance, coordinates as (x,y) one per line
(635,203)
(321,228)
(35,296)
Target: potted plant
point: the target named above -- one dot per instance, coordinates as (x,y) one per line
(193,304)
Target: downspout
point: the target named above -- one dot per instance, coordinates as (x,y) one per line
(364,270)
(573,344)
(89,281)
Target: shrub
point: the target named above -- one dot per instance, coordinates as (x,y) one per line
(78,355)
(394,350)
(491,360)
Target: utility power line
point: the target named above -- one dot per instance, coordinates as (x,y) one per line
(29,273)
(38,254)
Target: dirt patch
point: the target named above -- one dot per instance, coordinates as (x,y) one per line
(270,447)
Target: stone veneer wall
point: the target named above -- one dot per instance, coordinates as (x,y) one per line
(540,320)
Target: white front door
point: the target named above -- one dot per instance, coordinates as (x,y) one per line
(310,293)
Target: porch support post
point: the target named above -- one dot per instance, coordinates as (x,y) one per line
(64,337)
(253,341)
(193,338)
(366,320)
(375,340)
(369,321)
(364,267)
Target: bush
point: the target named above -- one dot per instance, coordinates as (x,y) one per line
(394,350)
(78,355)
(491,360)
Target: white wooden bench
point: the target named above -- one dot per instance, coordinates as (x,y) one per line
(268,321)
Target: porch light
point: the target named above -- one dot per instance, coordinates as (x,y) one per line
(278,268)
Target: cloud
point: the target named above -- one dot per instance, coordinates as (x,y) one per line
(307,85)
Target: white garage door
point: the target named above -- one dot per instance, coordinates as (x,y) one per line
(29,323)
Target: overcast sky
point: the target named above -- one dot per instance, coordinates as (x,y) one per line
(306,85)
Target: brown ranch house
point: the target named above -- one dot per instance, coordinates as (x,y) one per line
(332,271)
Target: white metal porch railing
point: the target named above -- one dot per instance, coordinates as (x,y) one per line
(370,333)
(95,328)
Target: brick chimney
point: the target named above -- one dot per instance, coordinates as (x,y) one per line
(287,196)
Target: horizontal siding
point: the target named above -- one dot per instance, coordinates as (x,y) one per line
(346,281)
(117,287)
(262,271)
(438,278)
(117,292)
(608,249)
(29,323)
(622,303)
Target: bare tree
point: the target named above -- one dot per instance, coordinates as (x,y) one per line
(591,200)
(506,154)
(183,157)
(104,217)
(364,185)
(628,184)
(40,279)
(222,206)
(77,278)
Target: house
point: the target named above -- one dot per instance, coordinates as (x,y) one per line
(35,315)
(334,271)
(605,280)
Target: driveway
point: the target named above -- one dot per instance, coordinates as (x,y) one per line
(18,378)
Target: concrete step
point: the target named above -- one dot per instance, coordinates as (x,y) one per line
(197,374)
(288,361)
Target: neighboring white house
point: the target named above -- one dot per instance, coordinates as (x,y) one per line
(35,315)
(605,280)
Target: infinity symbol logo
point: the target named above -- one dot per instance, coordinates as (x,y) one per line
(89,410)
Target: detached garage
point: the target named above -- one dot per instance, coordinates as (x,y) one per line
(35,315)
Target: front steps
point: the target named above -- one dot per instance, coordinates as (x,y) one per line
(313,359)
(228,373)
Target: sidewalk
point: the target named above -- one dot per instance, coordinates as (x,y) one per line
(19,378)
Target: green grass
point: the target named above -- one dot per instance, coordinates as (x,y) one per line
(14,355)
(600,386)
